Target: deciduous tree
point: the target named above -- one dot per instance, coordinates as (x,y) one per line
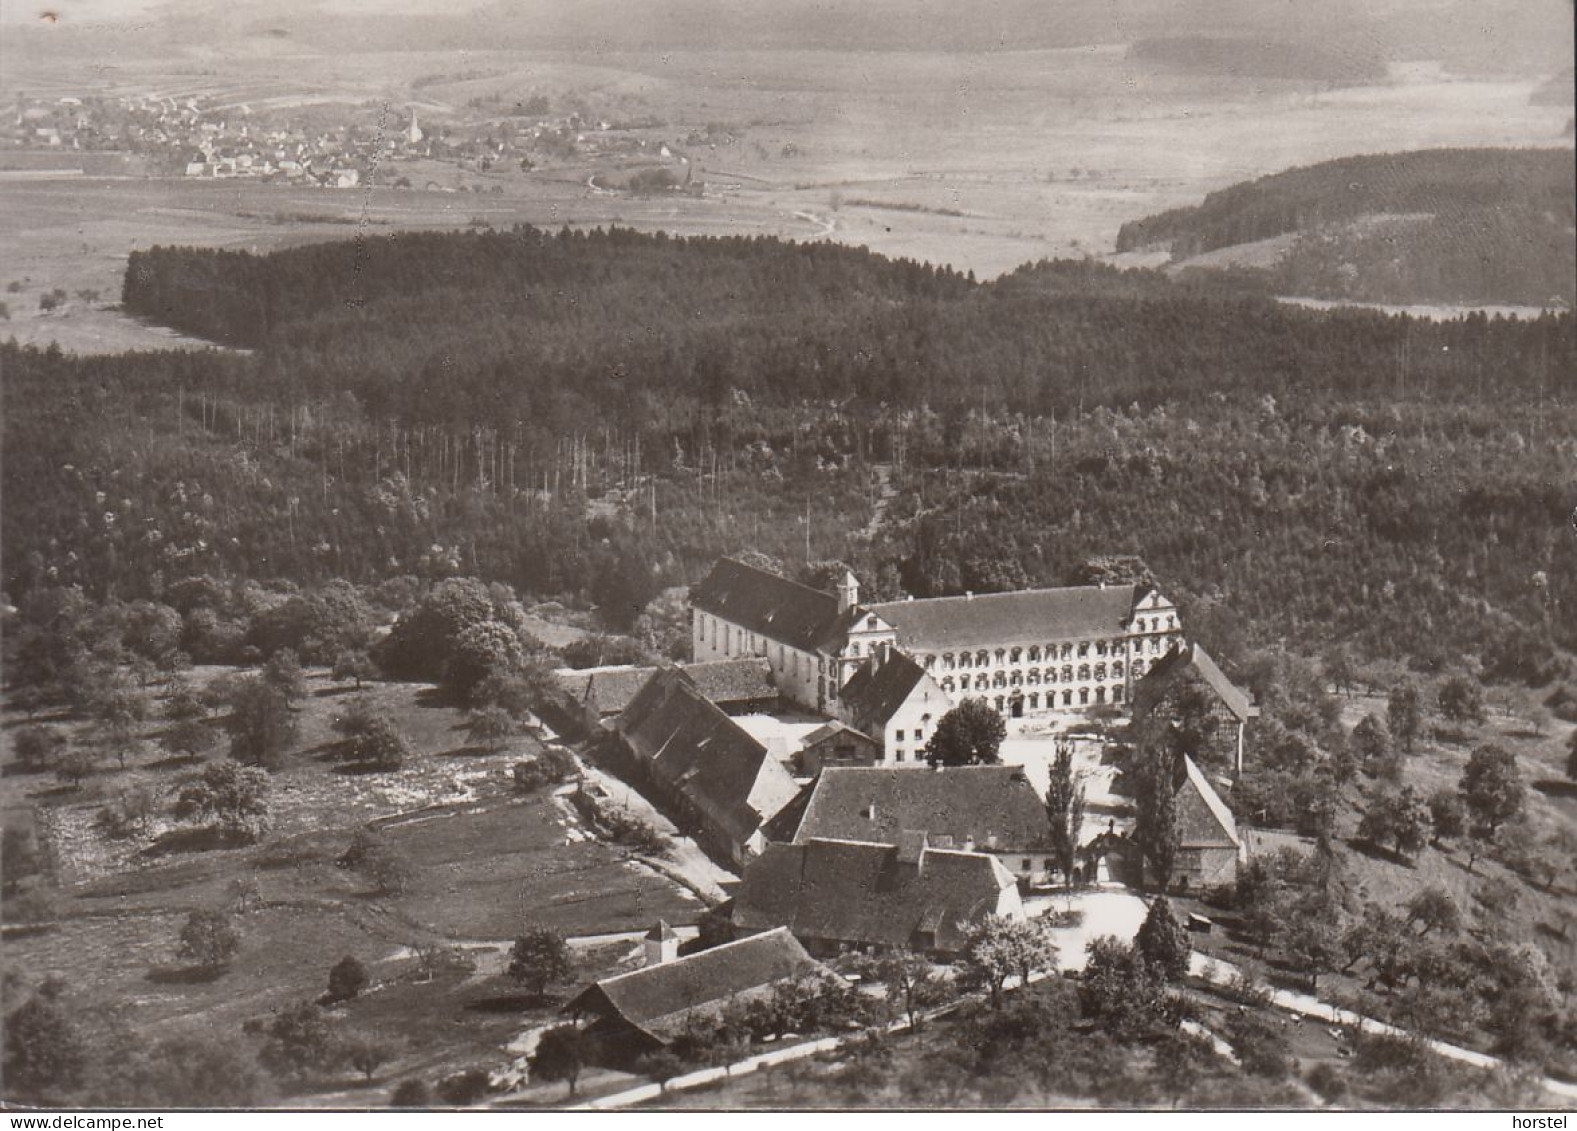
(1492,787)
(233,799)
(1397,818)
(45,1053)
(970,734)
(540,957)
(1461,699)
(562,1053)
(261,724)
(208,939)
(300,1042)
(1405,713)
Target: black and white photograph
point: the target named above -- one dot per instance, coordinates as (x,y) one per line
(788,555)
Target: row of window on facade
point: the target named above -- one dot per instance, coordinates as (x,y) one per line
(1032,678)
(985,658)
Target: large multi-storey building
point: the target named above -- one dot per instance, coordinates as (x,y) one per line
(1033,652)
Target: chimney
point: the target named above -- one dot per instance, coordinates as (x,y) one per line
(660,944)
(848,592)
(869,812)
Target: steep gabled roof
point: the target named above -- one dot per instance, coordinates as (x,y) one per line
(864,893)
(764,603)
(1203,819)
(988,807)
(1191,658)
(832,731)
(875,692)
(746,680)
(697,749)
(610,690)
(1030,616)
(658,1000)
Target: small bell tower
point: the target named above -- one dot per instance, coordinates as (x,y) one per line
(660,944)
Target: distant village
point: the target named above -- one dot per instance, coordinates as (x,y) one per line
(188,137)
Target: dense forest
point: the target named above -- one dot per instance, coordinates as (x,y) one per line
(1444,225)
(594,416)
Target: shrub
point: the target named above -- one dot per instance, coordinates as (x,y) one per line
(127,815)
(1261,1046)
(410,1093)
(347,978)
(465,1088)
(374,858)
(1326,1081)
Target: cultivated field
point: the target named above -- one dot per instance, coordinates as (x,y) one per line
(487,862)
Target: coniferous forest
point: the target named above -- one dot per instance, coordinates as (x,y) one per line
(593,416)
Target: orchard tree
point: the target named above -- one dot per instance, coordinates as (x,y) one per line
(562,1053)
(1340,670)
(988,960)
(36,747)
(45,1054)
(381,746)
(970,734)
(1461,699)
(76,765)
(1029,945)
(1397,818)
(540,957)
(365,1052)
(1371,744)
(1491,787)
(189,739)
(1065,810)
(911,982)
(208,939)
(1162,942)
(261,724)
(300,1041)
(283,673)
(1433,909)
(233,799)
(355,664)
(1314,941)
(1405,713)
(1447,814)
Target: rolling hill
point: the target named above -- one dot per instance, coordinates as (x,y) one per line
(1457,226)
